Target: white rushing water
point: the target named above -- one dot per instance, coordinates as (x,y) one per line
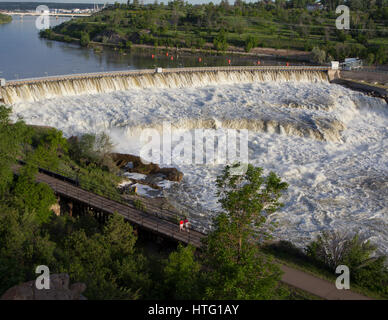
(329,143)
(104,84)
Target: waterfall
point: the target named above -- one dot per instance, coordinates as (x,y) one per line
(46,89)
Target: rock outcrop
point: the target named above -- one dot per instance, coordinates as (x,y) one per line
(59,290)
(134,164)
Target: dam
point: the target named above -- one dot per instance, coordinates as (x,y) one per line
(35,89)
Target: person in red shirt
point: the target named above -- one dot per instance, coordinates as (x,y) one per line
(187,224)
(181,225)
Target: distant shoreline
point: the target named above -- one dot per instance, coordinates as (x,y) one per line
(256,52)
(5,18)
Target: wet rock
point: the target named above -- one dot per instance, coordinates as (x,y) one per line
(172,174)
(155,178)
(133,163)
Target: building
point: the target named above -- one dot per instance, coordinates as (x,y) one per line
(352,64)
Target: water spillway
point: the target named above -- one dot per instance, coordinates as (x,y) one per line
(31,90)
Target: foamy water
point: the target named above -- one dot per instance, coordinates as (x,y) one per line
(329,143)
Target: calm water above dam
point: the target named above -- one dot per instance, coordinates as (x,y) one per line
(24,55)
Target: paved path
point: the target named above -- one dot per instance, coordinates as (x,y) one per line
(317,286)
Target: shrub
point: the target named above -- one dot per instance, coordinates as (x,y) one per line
(370,59)
(92,149)
(250,43)
(332,249)
(318,55)
(139,205)
(85,39)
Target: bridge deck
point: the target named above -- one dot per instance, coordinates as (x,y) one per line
(147,221)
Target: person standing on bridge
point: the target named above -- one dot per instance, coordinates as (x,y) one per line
(181,225)
(187,225)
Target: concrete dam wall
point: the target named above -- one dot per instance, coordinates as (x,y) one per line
(37,89)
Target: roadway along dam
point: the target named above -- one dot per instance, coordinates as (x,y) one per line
(328,142)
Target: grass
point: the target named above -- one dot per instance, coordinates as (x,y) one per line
(292,293)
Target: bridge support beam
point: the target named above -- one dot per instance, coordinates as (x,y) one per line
(70,204)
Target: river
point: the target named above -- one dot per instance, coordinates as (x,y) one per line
(23,54)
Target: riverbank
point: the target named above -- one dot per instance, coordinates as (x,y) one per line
(234,28)
(371,83)
(5,18)
(281,54)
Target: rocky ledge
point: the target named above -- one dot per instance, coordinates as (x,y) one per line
(145,179)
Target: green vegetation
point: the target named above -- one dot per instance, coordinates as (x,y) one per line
(181,274)
(106,257)
(139,205)
(84,159)
(239,270)
(279,24)
(4,18)
(368,272)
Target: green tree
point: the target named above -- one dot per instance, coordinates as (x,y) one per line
(382,55)
(49,146)
(238,270)
(318,55)
(91,148)
(249,198)
(371,58)
(5,18)
(220,43)
(85,39)
(108,263)
(250,43)
(22,247)
(367,269)
(32,196)
(182,275)
(12,138)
